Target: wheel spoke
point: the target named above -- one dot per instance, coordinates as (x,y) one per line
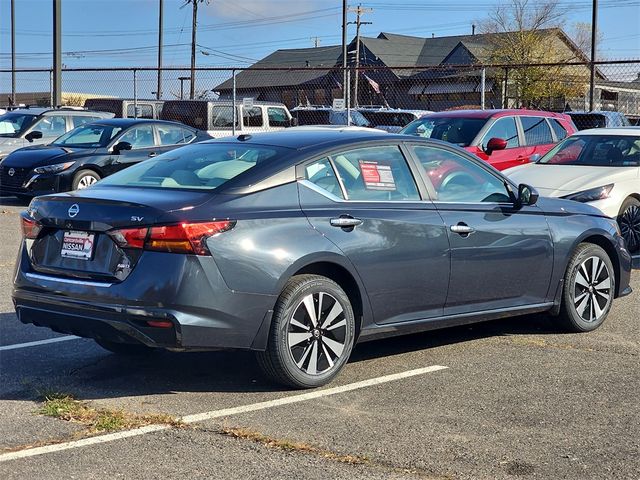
(583,304)
(311,311)
(604,284)
(305,354)
(336,347)
(319,315)
(603,295)
(596,306)
(337,324)
(296,323)
(581,280)
(595,263)
(585,273)
(312,368)
(297,338)
(336,310)
(580,297)
(326,354)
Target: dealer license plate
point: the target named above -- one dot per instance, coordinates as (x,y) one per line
(78,245)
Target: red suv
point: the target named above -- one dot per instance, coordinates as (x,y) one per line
(504,138)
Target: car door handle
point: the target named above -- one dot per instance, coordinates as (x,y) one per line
(462,229)
(345,222)
(152,154)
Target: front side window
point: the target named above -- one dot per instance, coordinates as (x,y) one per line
(596,151)
(536,131)
(252,117)
(558,129)
(457,179)
(13,124)
(139,137)
(278,117)
(52,126)
(504,128)
(173,135)
(321,174)
(376,174)
(222,117)
(456,130)
(88,136)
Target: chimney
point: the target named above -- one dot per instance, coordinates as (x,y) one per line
(473,29)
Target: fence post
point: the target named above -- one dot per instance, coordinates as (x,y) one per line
(135,93)
(505,100)
(348,105)
(233,101)
(483,82)
(51,88)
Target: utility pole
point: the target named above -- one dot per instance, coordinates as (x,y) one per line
(344,51)
(160,21)
(13,53)
(192,86)
(316,41)
(359,12)
(57,53)
(594,35)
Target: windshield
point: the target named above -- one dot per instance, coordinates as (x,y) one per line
(201,166)
(13,124)
(596,151)
(88,136)
(460,131)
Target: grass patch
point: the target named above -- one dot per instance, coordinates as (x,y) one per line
(98,420)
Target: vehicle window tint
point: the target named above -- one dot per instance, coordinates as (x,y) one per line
(252,117)
(376,174)
(312,117)
(321,173)
(172,135)
(558,129)
(278,117)
(461,131)
(81,120)
(457,179)
(536,131)
(52,126)
(89,136)
(139,137)
(504,128)
(597,151)
(222,117)
(145,110)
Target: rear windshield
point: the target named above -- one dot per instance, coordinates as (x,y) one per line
(391,119)
(201,166)
(460,131)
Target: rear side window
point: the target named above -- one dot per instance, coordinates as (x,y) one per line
(81,120)
(139,137)
(172,135)
(376,174)
(536,131)
(198,166)
(321,174)
(252,117)
(145,110)
(504,128)
(558,129)
(278,117)
(51,126)
(222,117)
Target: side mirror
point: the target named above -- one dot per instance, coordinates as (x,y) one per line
(535,157)
(34,135)
(121,146)
(494,144)
(527,195)
(293,122)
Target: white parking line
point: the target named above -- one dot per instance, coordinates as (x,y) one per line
(225,412)
(16,346)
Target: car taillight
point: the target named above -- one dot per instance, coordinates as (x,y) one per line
(179,238)
(30,228)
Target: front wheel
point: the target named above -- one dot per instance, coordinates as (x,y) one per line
(84,179)
(312,333)
(589,286)
(629,222)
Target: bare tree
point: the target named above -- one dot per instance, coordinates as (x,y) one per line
(525,33)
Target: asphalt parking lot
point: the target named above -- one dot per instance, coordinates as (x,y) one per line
(517,399)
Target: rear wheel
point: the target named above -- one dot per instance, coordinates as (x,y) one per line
(589,286)
(125,348)
(84,179)
(312,333)
(629,222)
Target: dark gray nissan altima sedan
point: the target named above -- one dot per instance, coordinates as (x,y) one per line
(298,244)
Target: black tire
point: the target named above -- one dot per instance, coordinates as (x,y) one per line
(325,350)
(587,297)
(126,348)
(83,179)
(629,222)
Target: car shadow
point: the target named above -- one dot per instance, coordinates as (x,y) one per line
(82,368)
(13,202)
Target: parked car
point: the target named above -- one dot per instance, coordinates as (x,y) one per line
(600,167)
(36,126)
(598,119)
(217,116)
(88,153)
(298,244)
(503,138)
(391,120)
(126,108)
(328,116)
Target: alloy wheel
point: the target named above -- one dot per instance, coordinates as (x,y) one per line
(592,289)
(629,223)
(86,181)
(317,333)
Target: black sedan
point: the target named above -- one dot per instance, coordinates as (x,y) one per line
(298,244)
(88,153)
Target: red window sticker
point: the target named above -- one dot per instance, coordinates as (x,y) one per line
(377,176)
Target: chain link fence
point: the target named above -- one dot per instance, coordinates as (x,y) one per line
(556,87)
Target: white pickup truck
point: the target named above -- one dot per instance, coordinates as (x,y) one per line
(216,117)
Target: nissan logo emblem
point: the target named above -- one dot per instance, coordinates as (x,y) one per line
(73,210)
(11,172)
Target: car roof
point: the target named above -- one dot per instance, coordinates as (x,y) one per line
(624,131)
(35,111)
(127,122)
(494,112)
(257,103)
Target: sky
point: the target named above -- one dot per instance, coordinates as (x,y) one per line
(123,33)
